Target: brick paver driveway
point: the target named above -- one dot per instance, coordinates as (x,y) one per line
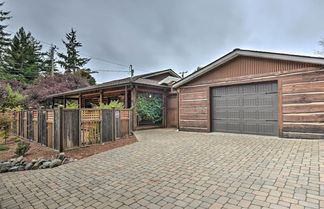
(169,169)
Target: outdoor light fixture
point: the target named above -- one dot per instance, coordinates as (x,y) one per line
(150,95)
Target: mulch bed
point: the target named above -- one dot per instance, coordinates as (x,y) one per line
(38,151)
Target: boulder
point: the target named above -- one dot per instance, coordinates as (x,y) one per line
(55,162)
(60,156)
(20,159)
(45,165)
(4,166)
(14,168)
(38,163)
(21,168)
(28,166)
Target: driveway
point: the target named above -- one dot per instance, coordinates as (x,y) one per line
(169,169)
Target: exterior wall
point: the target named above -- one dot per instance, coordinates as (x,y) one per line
(300,95)
(303,105)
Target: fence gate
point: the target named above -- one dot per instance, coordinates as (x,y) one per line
(107,129)
(90,126)
(71,128)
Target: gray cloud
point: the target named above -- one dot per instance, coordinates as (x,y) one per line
(182,34)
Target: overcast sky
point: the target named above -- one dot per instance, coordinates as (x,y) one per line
(177,34)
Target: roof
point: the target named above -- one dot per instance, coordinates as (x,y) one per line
(169,80)
(251,53)
(138,79)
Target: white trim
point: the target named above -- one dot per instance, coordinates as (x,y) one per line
(192,100)
(303,114)
(196,120)
(305,123)
(190,127)
(302,93)
(303,104)
(237,52)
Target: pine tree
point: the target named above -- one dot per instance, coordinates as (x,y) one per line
(4,41)
(4,36)
(24,60)
(50,62)
(71,61)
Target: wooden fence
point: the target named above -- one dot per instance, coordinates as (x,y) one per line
(63,129)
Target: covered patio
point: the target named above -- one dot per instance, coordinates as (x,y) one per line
(123,90)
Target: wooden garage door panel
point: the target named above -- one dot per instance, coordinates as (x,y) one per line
(249,108)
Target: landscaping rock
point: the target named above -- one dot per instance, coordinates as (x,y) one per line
(28,166)
(19,159)
(21,168)
(14,168)
(4,166)
(60,156)
(19,164)
(55,162)
(45,165)
(38,163)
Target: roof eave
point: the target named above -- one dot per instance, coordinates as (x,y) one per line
(239,52)
(101,88)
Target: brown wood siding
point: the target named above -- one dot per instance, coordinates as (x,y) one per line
(193,108)
(300,94)
(303,105)
(242,66)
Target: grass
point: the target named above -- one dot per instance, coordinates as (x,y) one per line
(3,148)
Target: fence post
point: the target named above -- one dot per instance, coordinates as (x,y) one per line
(61,127)
(113,124)
(101,127)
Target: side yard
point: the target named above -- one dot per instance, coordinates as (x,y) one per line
(40,151)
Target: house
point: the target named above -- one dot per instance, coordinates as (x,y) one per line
(255,92)
(127,90)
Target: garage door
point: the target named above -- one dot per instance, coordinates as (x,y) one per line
(249,108)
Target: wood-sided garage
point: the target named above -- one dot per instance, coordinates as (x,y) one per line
(255,92)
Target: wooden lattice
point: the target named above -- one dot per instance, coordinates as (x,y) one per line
(50,116)
(124,114)
(90,115)
(35,115)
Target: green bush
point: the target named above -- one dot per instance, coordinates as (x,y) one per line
(17,140)
(113,104)
(149,107)
(22,148)
(5,126)
(71,105)
(4,148)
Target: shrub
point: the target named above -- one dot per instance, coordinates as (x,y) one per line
(17,140)
(71,105)
(5,126)
(113,104)
(22,148)
(149,107)
(4,148)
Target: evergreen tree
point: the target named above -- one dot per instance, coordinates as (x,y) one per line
(4,41)
(49,67)
(4,36)
(24,60)
(71,61)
